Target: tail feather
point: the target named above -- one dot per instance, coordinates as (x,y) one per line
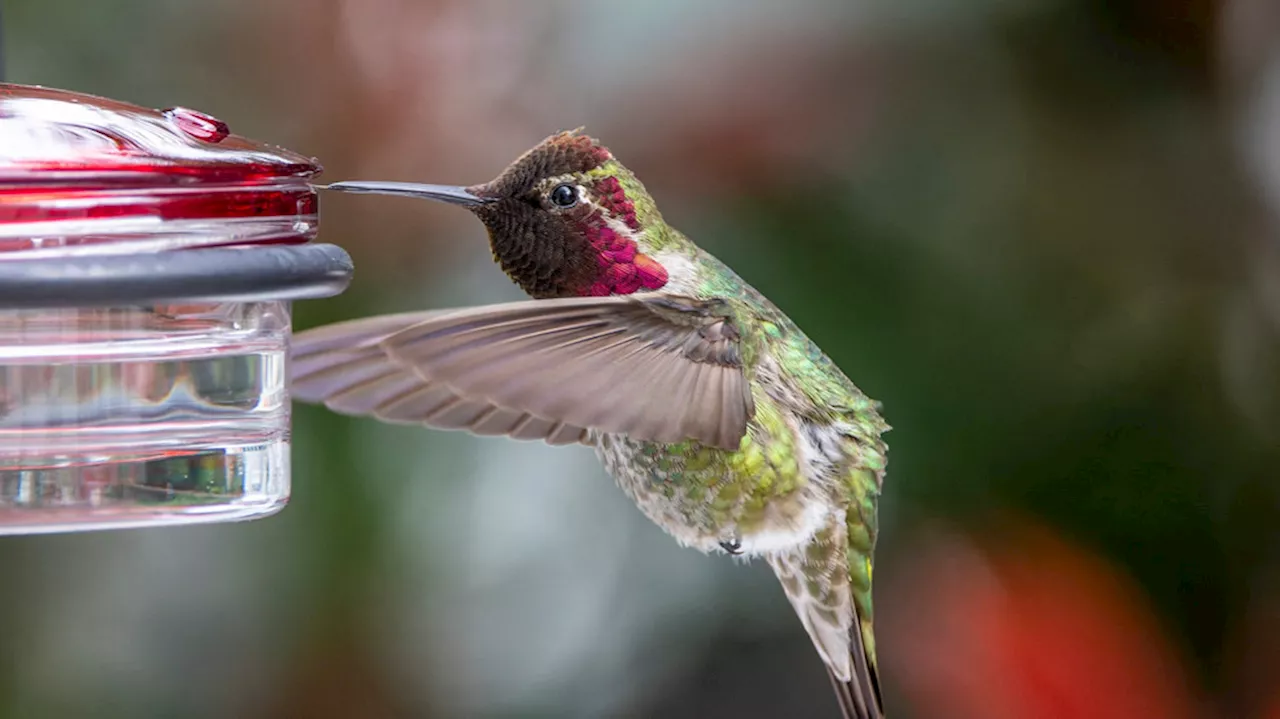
(815,577)
(860,697)
(850,708)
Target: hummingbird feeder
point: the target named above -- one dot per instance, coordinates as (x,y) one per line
(148,261)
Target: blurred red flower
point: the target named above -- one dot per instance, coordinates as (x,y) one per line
(1025,624)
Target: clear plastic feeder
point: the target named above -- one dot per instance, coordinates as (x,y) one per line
(148,260)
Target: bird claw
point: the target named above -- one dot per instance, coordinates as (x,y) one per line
(733,547)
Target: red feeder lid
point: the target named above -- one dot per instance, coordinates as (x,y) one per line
(86,175)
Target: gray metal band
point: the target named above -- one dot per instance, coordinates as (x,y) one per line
(275,272)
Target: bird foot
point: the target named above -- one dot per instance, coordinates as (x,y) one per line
(733,547)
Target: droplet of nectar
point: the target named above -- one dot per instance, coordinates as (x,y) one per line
(198,124)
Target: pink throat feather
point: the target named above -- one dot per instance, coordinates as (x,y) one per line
(623,268)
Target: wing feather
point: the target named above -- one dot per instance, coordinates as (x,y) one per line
(662,368)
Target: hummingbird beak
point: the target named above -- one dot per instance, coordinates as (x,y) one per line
(443,193)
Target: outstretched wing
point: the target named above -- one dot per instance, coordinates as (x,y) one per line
(661,368)
(835,612)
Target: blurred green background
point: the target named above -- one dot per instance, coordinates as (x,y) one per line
(1042,232)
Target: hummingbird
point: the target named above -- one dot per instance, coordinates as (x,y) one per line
(726,425)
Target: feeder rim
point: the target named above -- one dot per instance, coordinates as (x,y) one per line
(220,274)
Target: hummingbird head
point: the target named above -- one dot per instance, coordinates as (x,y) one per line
(565,219)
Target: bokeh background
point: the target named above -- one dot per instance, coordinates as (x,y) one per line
(1043,232)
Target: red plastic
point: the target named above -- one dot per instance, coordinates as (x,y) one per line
(78,171)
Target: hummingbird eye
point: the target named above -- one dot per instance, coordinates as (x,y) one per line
(564,196)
